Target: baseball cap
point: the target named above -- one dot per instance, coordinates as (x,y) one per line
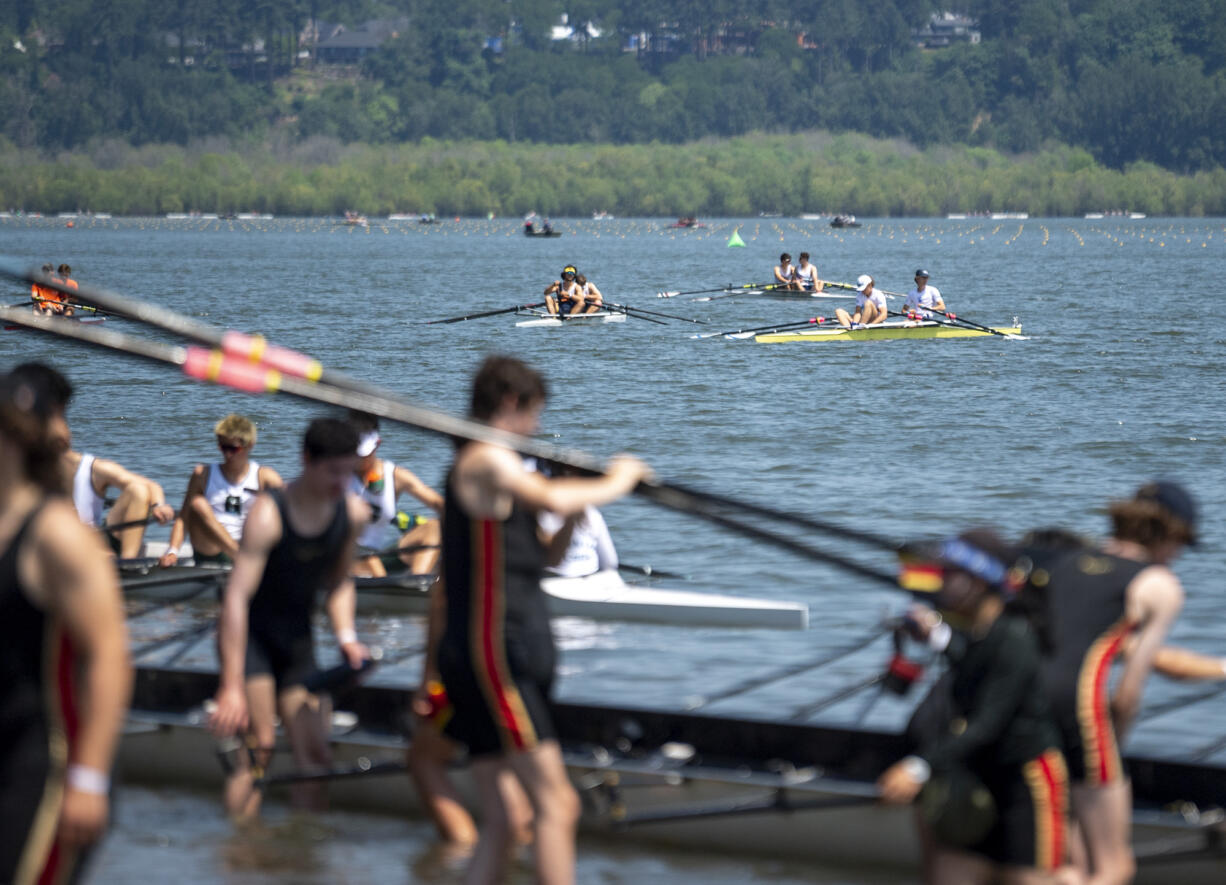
(367,443)
(921,273)
(570,268)
(863,282)
(1175,500)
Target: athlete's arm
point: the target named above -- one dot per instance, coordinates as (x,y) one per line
(269,478)
(70,566)
(261,532)
(108,474)
(407,481)
(1180,663)
(1154,598)
(555,532)
(566,495)
(178,531)
(342,593)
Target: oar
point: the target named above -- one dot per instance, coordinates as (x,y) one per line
(487,313)
(672,316)
(120,526)
(776,801)
(170,603)
(739,333)
(806,712)
(956,323)
(650,571)
(615,308)
(725,288)
(362,768)
(955,318)
(187,635)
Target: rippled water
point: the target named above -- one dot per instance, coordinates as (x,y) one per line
(1121,380)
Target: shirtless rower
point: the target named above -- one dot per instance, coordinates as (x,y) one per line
(90,477)
(219,496)
(1099,602)
(562,296)
(870,310)
(65,677)
(923,297)
(499,670)
(380,482)
(590,298)
(297,541)
(804,276)
(785,273)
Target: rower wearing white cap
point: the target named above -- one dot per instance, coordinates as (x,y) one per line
(379,483)
(923,297)
(870,306)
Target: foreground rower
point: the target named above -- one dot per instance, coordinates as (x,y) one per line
(496,654)
(564,295)
(90,477)
(923,297)
(219,496)
(870,310)
(65,678)
(297,541)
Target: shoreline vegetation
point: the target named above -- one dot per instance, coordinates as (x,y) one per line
(734,177)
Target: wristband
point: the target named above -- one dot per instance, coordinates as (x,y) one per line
(917,769)
(938,638)
(344,637)
(88,780)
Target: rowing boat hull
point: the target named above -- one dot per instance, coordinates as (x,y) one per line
(882,332)
(614,755)
(572,321)
(602,596)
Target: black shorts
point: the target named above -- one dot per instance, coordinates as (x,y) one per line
(495,711)
(288,661)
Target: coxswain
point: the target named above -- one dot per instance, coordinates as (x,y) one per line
(1104,603)
(996,745)
(219,496)
(496,654)
(785,272)
(804,276)
(590,299)
(871,307)
(89,478)
(380,483)
(65,676)
(923,297)
(298,541)
(562,296)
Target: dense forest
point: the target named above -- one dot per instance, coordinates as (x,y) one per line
(1127,80)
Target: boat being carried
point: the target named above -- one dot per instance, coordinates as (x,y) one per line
(782,790)
(887,331)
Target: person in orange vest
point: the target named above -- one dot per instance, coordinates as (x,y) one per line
(48,300)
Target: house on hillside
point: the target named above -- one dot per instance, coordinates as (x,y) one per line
(346,45)
(945,29)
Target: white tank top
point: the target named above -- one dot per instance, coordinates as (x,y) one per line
(591,548)
(231,502)
(89,503)
(806,275)
(382,507)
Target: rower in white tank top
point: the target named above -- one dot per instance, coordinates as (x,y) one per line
(88,502)
(806,275)
(380,495)
(591,547)
(231,502)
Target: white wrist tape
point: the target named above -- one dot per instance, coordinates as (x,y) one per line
(88,780)
(344,637)
(938,639)
(918,769)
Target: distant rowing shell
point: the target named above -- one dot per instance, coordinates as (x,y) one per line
(542,320)
(882,332)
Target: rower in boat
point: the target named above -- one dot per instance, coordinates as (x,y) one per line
(65,677)
(219,496)
(994,756)
(923,297)
(563,296)
(380,482)
(871,309)
(1118,600)
(804,276)
(297,541)
(496,653)
(785,272)
(590,299)
(140,499)
(47,300)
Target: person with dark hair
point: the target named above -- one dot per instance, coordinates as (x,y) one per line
(297,541)
(89,477)
(992,780)
(564,296)
(47,300)
(1119,600)
(380,482)
(496,654)
(805,278)
(590,298)
(219,496)
(785,272)
(65,676)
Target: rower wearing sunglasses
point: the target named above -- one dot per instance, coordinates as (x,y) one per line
(219,496)
(564,296)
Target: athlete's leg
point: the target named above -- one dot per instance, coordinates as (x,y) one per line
(950,866)
(207,535)
(307,720)
(843,317)
(427,538)
(555,803)
(242,800)
(870,313)
(1104,815)
(494,843)
(131,505)
(427,758)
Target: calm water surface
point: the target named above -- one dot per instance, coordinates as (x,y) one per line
(1121,379)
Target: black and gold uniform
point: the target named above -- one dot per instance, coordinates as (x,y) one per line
(496,655)
(999,729)
(38,728)
(1086,597)
(279,640)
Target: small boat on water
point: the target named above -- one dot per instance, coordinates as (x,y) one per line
(88,318)
(602,596)
(356,219)
(545,319)
(888,331)
(844,221)
(686,223)
(544,232)
(720,785)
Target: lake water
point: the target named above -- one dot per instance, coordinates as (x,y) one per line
(1121,379)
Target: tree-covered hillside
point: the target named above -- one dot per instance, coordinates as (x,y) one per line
(1128,80)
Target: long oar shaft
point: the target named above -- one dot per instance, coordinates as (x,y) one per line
(726,288)
(653,313)
(486,313)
